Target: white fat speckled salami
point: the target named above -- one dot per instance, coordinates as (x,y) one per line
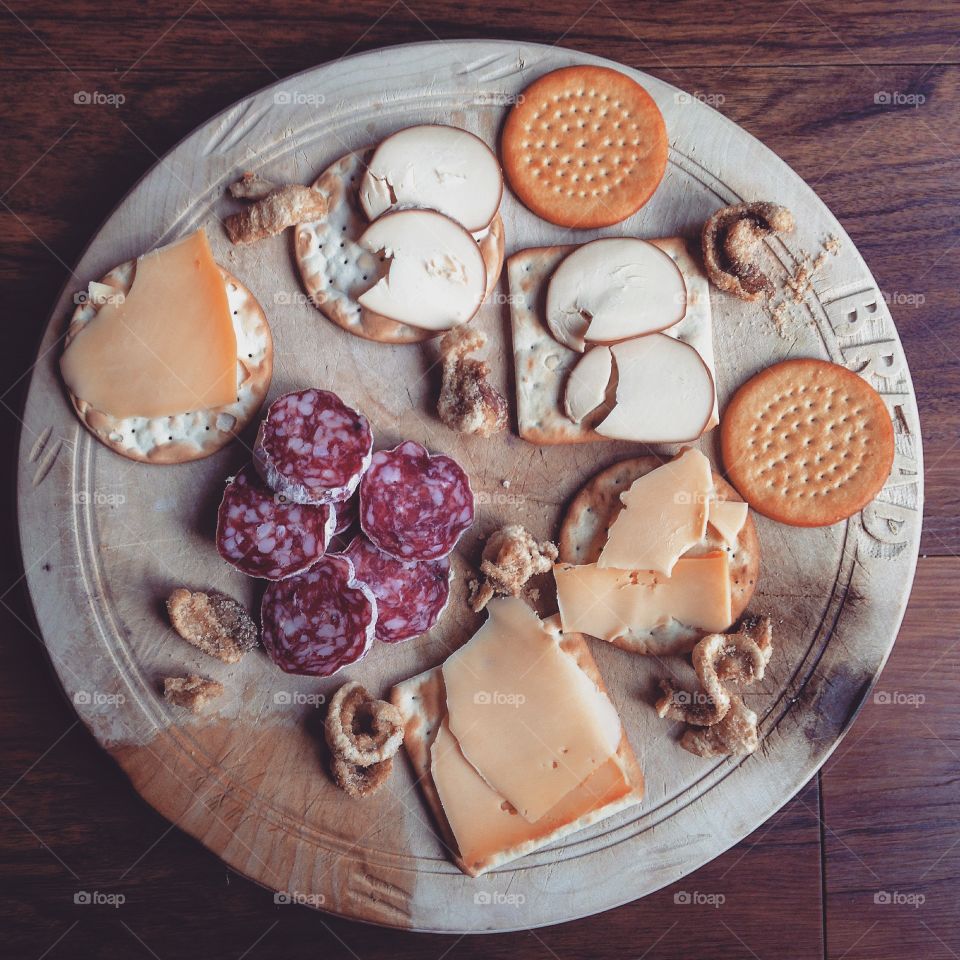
(414,506)
(319,622)
(312,447)
(263,536)
(411,596)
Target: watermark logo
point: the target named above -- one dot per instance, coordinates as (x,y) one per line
(97,98)
(284,897)
(96,898)
(497,99)
(691,698)
(83,297)
(698,96)
(497,698)
(99,498)
(895,98)
(898,699)
(298,98)
(286,698)
(898,298)
(487,898)
(291,298)
(500,498)
(507,299)
(97,698)
(697,898)
(895,898)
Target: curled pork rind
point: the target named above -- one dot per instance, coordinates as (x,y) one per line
(718,722)
(359,782)
(282,207)
(511,557)
(361,730)
(731,240)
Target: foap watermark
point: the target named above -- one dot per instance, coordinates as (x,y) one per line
(896,98)
(490,898)
(498,698)
(697,898)
(97,98)
(83,297)
(500,498)
(497,99)
(287,298)
(97,898)
(898,699)
(896,898)
(698,96)
(99,498)
(299,98)
(507,299)
(899,298)
(287,698)
(691,698)
(98,698)
(283,897)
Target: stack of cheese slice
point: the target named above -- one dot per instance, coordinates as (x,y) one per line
(515,740)
(643,578)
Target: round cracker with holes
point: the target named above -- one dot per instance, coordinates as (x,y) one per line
(583,533)
(199,433)
(584,147)
(335,269)
(807,442)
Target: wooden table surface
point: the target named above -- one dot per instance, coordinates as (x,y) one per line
(859,98)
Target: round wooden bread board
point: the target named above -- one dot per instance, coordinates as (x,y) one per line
(105,540)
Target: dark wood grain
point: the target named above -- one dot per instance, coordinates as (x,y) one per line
(804,78)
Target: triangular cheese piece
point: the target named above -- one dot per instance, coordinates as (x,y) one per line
(664,515)
(727,517)
(166,347)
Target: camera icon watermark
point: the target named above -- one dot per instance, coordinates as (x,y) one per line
(298,98)
(697,898)
(97,98)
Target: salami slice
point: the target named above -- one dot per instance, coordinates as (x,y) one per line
(347,514)
(414,506)
(262,536)
(312,447)
(411,596)
(319,622)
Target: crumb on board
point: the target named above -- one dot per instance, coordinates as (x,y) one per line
(282,207)
(192,692)
(468,402)
(215,624)
(795,288)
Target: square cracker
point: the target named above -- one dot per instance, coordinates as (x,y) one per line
(422,702)
(543,364)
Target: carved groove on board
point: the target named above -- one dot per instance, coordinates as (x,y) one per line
(47,456)
(388,899)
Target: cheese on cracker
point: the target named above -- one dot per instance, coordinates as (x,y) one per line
(611,604)
(664,515)
(167,347)
(525,716)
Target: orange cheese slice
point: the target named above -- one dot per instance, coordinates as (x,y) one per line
(610,603)
(525,715)
(727,517)
(167,347)
(664,514)
(484,824)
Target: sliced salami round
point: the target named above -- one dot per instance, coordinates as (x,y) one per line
(347,514)
(319,622)
(411,596)
(312,447)
(414,506)
(263,536)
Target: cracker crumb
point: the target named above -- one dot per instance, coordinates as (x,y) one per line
(510,558)
(213,623)
(192,692)
(468,402)
(797,285)
(505,484)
